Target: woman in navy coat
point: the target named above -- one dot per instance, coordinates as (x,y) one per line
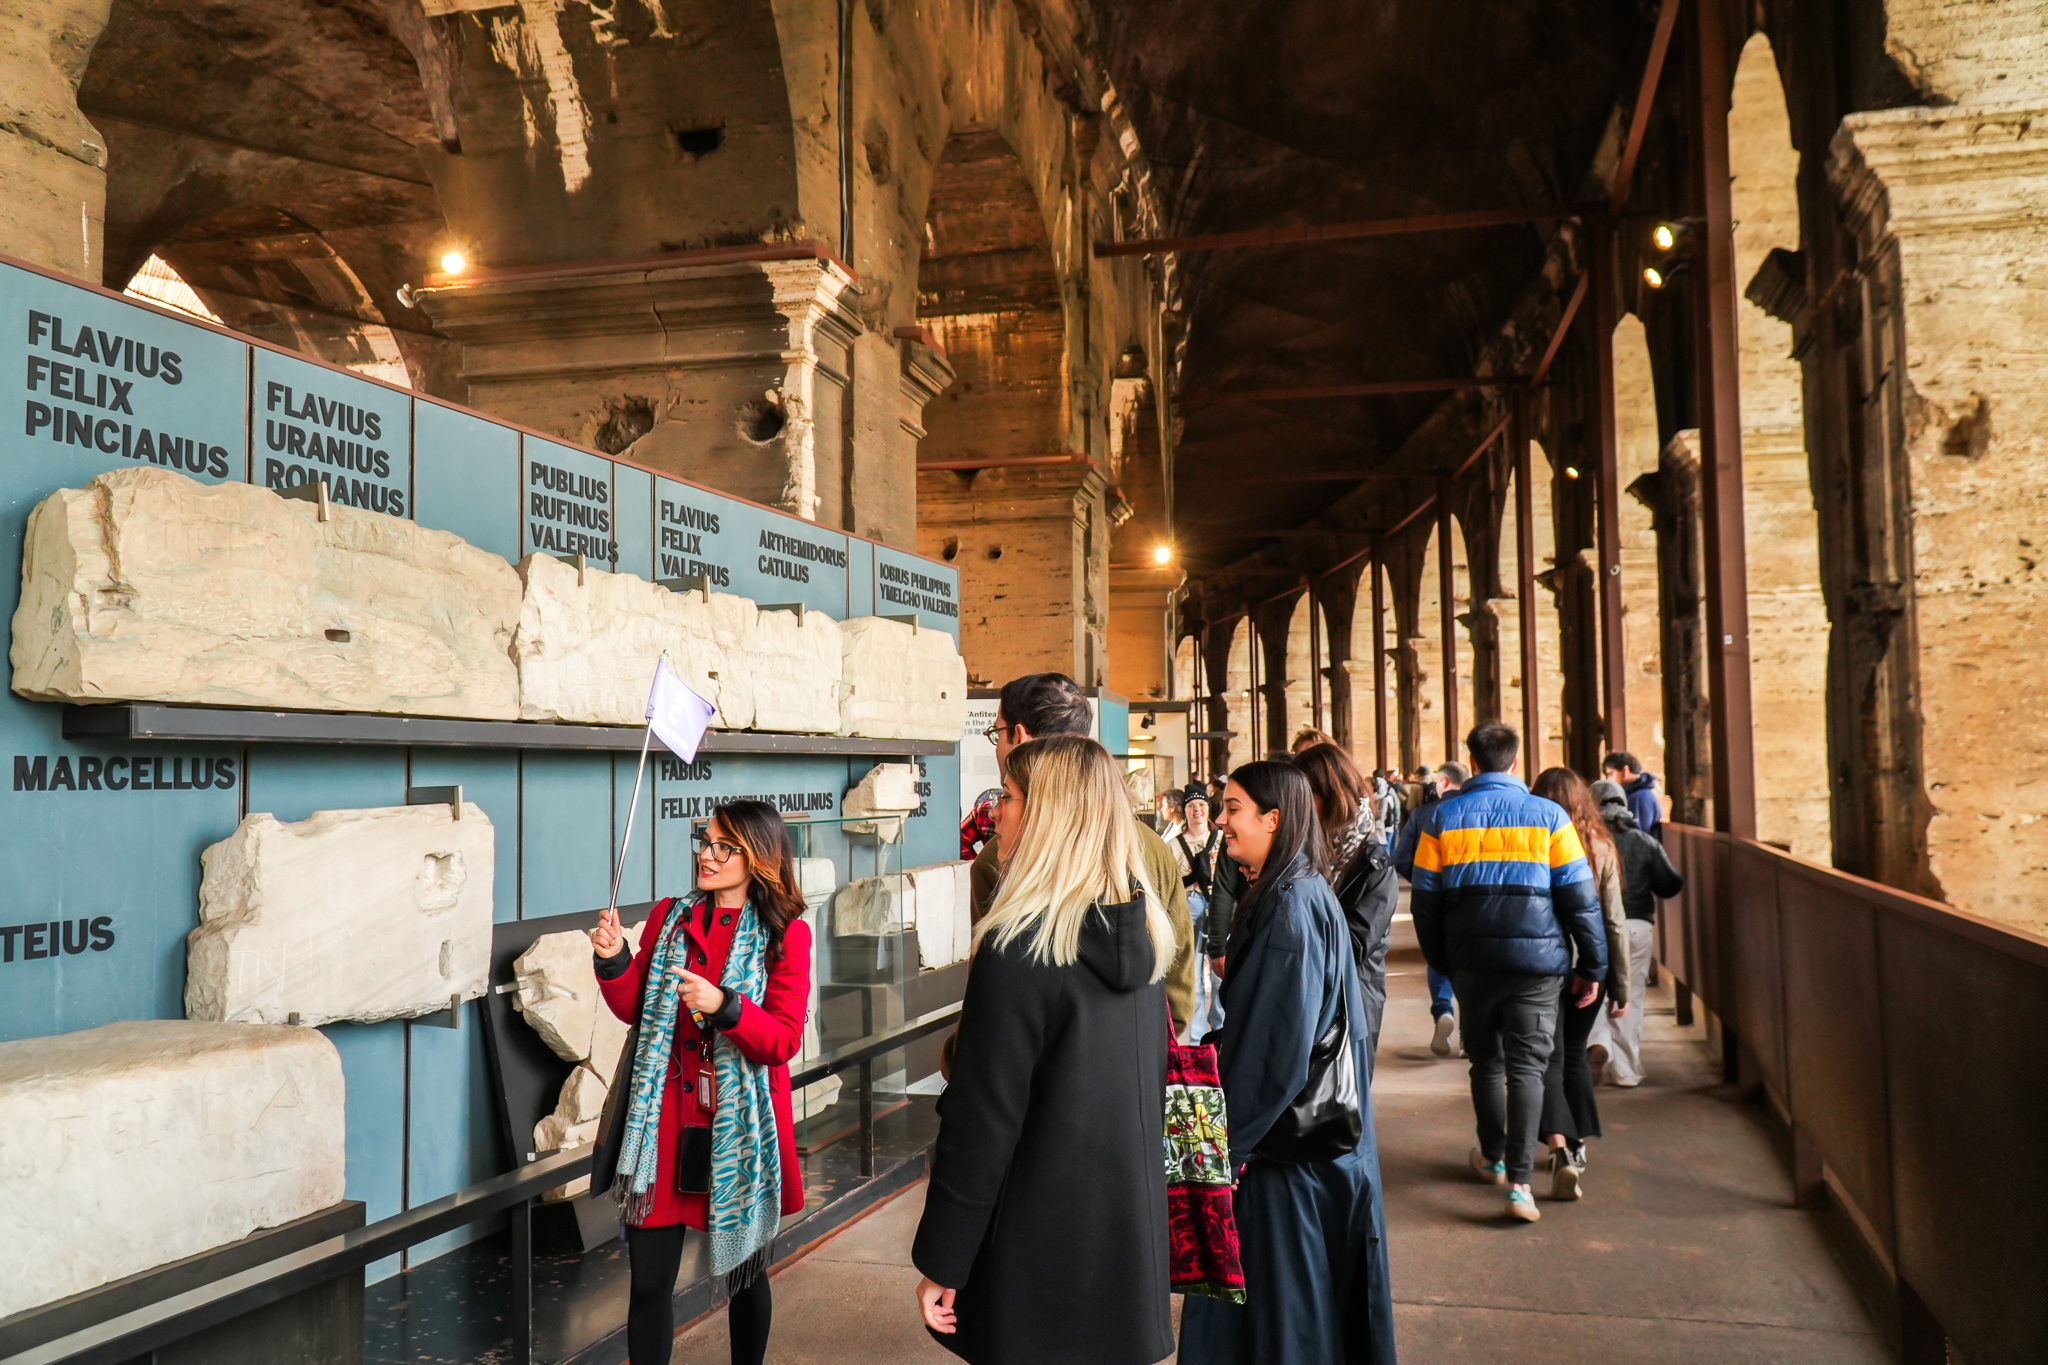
(1312,1235)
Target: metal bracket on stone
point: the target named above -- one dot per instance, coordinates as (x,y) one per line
(796,607)
(908,620)
(576,562)
(688,583)
(449,1018)
(314,492)
(437,796)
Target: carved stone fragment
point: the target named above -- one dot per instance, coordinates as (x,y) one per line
(131,1145)
(351,914)
(901,682)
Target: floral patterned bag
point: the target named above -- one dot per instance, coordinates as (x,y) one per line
(1202,1229)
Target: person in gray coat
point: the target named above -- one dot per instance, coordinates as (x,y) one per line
(1615,1047)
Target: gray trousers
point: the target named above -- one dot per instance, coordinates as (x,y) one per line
(1508,1023)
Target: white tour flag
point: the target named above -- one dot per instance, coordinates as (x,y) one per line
(677,715)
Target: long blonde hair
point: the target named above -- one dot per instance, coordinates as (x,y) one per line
(1077,847)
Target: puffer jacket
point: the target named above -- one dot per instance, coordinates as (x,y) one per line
(1647,875)
(1501,882)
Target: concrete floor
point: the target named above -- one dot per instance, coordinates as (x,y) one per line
(1686,1249)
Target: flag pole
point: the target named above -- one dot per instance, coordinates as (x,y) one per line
(632,810)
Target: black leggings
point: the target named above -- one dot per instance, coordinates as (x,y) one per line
(657,1254)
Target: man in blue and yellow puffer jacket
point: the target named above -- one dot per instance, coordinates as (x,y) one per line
(1503,898)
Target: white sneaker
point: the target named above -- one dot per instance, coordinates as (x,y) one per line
(1522,1204)
(1564,1177)
(1441,1043)
(1492,1172)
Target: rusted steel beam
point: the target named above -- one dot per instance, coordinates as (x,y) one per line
(1607,499)
(1379,661)
(1447,620)
(1710,79)
(1003,462)
(1525,585)
(1309,234)
(1378,389)
(1646,98)
(1564,326)
(1302,476)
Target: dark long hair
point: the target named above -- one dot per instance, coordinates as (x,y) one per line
(1278,786)
(1569,790)
(1338,786)
(771,863)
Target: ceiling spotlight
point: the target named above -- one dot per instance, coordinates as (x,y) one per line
(1653,277)
(1162,554)
(452,263)
(1664,236)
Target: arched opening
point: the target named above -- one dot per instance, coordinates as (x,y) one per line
(1301,665)
(1434,702)
(1184,658)
(1369,672)
(1546,745)
(1787,617)
(1636,444)
(1032,531)
(1237,695)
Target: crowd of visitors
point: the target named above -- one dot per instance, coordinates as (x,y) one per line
(1232,946)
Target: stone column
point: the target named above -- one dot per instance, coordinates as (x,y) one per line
(1950,209)
(1028,542)
(1338,596)
(726,366)
(1672,494)
(52,160)
(1270,625)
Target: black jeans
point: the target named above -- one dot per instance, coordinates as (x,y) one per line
(657,1254)
(1509,1023)
(1568,1104)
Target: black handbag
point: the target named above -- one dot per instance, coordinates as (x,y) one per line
(1326,1120)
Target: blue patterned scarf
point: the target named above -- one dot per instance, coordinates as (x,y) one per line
(746,1160)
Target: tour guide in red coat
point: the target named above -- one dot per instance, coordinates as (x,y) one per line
(723,1082)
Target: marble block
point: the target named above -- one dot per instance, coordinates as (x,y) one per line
(901,682)
(873,906)
(352,914)
(131,1145)
(559,999)
(963,910)
(885,788)
(935,892)
(587,643)
(816,879)
(145,585)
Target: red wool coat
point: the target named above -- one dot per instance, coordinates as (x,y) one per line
(770,1032)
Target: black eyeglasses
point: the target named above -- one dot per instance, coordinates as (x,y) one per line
(996,733)
(721,851)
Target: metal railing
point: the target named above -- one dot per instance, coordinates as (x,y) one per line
(1902,1041)
(121,1339)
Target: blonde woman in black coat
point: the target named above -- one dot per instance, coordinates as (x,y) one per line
(1055,1111)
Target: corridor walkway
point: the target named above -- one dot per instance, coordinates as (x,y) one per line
(1687,1248)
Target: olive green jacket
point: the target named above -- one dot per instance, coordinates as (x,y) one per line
(1165,875)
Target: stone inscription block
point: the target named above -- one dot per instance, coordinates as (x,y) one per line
(902,682)
(134,1144)
(148,586)
(350,914)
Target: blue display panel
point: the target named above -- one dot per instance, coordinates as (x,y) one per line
(103,839)
(315,424)
(906,585)
(565,497)
(465,477)
(633,504)
(748,550)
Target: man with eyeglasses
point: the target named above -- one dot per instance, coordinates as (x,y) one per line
(1039,705)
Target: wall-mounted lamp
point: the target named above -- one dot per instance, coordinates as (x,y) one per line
(452,263)
(1162,554)
(1571,471)
(1653,277)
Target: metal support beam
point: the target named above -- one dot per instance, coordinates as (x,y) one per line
(1315,659)
(1447,618)
(1646,99)
(1729,718)
(1377,389)
(1607,493)
(1379,661)
(1525,584)
(1332,232)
